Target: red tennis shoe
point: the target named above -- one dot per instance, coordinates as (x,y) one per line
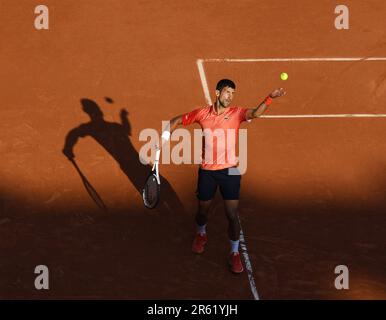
(199,242)
(235,262)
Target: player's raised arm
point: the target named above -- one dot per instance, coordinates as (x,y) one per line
(184,119)
(260,109)
(171,126)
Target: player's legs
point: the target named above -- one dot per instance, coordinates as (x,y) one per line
(231,211)
(202,212)
(201,238)
(230,191)
(206,189)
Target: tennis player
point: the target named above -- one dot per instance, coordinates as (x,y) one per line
(216,161)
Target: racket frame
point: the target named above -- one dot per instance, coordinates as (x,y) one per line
(155,173)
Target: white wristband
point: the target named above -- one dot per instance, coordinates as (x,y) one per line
(165,135)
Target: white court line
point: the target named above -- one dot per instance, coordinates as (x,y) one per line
(204,83)
(295,59)
(294,116)
(248,264)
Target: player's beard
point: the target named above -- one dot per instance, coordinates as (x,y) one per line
(224,103)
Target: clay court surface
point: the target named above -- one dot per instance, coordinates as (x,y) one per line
(314,193)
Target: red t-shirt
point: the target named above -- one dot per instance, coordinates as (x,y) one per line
(220,133)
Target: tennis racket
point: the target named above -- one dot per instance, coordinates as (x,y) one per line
(152,188)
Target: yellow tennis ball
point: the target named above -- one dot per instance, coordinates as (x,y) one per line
(284,76)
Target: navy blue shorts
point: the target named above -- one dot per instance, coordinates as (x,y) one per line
(208,180)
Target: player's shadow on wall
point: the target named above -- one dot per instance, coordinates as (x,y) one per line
(115,139)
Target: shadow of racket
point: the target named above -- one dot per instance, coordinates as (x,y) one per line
(90,189)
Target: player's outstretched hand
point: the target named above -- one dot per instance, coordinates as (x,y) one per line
(277,93)
(124,113)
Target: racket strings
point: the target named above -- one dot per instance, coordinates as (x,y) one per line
(151,192)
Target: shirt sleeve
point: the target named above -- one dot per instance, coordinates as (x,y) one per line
(191,117)
(242,114)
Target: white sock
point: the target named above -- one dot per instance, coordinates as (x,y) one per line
(201,229)
(234,246)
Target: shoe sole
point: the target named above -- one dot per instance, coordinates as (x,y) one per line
(237,272)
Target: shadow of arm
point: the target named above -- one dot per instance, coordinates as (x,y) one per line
(72,138)
(125,121)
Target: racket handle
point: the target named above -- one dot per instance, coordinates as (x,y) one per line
(157,154)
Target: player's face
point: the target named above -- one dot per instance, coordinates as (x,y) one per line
(225,96)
